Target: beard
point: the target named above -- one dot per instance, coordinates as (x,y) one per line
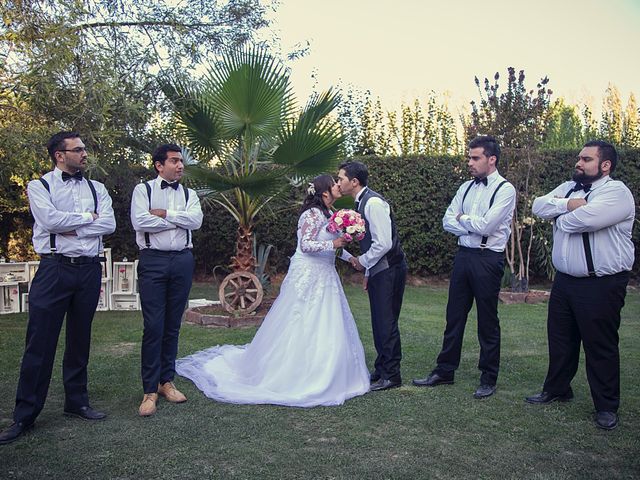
(585,179)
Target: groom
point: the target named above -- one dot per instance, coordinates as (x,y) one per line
(385,268)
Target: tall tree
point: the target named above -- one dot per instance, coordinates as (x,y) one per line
(564,126)
(611,122)
(631,124)
(91,66)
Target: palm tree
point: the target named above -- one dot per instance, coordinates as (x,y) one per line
(251,140)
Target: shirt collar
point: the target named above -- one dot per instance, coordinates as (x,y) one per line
(57,173)
(360,193)
(600,182)
(493,177)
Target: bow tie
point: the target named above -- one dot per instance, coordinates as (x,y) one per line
(477,180)
(67,176)
(164,184)
(581,186)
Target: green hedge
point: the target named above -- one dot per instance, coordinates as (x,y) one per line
(419,189)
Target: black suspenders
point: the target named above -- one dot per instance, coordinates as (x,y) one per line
(147,239)
(483,242)
(585,242)
(52,236)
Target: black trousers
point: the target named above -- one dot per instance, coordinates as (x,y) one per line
(57,289)
(164,279)
(386,290)
(476,275)
(586,310)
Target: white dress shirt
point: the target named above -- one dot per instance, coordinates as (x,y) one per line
(170,233)
(378,214)
(607,217)
(67,208)
(478,219)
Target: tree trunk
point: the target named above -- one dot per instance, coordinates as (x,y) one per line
(244,260)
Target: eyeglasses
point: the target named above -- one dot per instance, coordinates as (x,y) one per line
(75,150)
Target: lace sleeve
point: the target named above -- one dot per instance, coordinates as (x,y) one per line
(311,222)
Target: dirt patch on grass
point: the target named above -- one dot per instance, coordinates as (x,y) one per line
(121,349)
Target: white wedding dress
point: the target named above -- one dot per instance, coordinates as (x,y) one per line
(307,351)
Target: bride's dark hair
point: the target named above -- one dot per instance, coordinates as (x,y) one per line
(319,185)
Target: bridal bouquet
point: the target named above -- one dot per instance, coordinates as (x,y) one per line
(348,223)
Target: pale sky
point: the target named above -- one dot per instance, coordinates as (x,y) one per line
(403,49)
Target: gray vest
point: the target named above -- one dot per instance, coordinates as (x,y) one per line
(395,255)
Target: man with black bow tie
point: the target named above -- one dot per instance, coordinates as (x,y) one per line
(71,215)
(163,214)
(480,216)
(593,255)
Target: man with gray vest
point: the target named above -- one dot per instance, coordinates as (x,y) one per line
(163,214)
(71,215)
(385,269)
(593,254)
(480,216)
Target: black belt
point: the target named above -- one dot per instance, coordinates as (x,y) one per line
(479,250)
(155,251)
(72,260)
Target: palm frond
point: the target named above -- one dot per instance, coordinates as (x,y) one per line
(312,144)
(251,93)
(197,121)
(209,182)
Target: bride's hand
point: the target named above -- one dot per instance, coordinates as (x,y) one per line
(339,242)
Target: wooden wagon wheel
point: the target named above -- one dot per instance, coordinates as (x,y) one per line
(240,292)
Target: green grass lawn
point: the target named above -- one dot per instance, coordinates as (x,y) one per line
(408,432)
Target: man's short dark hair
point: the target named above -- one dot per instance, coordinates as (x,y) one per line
(606,151)
(160,153)
(356,170)
(489,145)
(56,143)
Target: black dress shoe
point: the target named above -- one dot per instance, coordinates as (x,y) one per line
(14,431)
(384,384)
(85,413)
(431,381)
(543,398)
(484,391)
(606,420)
(374,377)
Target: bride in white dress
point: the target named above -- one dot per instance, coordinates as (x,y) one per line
(307,351)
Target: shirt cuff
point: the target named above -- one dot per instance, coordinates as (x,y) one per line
(463,220)
(563,204)
(171,215)
(87,216)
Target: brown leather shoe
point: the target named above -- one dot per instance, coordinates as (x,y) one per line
(148,405)
(171,393)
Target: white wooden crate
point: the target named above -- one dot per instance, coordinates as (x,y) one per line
(125,301)
(107,267)
(105,295)
(14,272)
(9,297)
(124,280)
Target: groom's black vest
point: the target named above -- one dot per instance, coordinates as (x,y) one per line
(393,256)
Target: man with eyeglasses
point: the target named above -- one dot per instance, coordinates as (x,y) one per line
(71,215)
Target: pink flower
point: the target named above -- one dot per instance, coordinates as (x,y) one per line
(348,223)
